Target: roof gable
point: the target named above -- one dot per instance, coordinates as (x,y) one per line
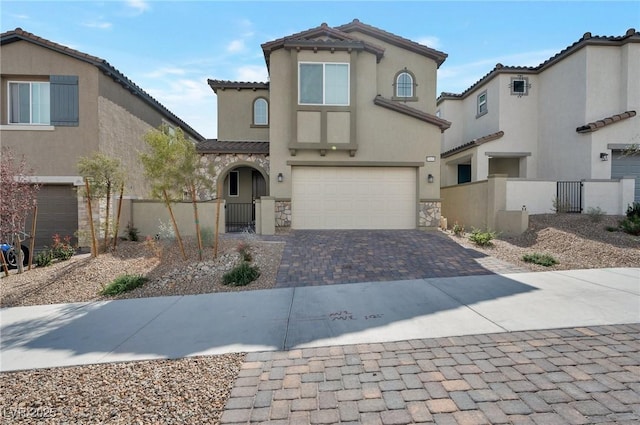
(20,35)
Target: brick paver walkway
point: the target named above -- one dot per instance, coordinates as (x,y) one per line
(347,256)
(565,376)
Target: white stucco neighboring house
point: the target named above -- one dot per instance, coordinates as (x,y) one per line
(568,119)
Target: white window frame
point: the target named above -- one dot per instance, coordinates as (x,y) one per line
(525,86)
(30,123)
(411,84)
(482,107)
(237,174)
(266,103)
(324,92)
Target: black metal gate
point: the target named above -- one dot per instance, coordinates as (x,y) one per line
(240,217)
(569,197)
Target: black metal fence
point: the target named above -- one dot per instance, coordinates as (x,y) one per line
(240,217)
(569,197)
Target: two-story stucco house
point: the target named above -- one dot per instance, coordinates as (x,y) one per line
(567,119)
(348,116)
(57,105)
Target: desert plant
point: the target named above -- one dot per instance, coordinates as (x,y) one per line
(123,283)
(43,258)
(207,236)
(61,249)
(241,275)
(482,238)
(132,233)
(243,249)
(631,225)
(612,228)
(457,229)
(560,206)
(633,210)
(595,214)
(545,260)
(166,231)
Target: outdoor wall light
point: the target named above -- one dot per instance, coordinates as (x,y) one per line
(280,177)
(604,156)
(431,158)
(430,178)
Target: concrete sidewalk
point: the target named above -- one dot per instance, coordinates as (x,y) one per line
(283,319)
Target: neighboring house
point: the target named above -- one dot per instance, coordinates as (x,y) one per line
(348,116)
(59,104)
(567,119)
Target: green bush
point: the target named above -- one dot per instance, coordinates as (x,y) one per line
(43,258)
(595,214)
(243,249)
(612,228)
(631,225)
(61,248)
(132,233)
(123,283)
(241,275)
(541,259)
(457,229)
(481,238)
(560,206)
(207,236)
(633,211)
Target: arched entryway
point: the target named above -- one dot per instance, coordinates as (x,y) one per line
(242,184)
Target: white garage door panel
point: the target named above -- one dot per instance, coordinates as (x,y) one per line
(353,198)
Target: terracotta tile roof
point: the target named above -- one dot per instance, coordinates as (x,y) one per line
(323,37)
(631,36)
(238,85)
(597,125)
(475,142)
(395,40)
(412,112)
(20,35)
(221,146)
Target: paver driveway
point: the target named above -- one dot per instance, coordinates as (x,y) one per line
(322,257)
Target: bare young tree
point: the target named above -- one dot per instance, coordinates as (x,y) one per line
(17,199)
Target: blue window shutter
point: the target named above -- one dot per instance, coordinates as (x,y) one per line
(64,100)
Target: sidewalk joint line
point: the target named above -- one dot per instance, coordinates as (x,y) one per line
(286,330)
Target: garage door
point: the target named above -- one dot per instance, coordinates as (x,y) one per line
(57,213)
(353,198)
(622,166)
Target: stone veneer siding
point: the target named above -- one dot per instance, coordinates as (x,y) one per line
(218,162)
(429,214)
(283,213)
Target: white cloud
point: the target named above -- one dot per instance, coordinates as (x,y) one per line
(102,25)
(162,72)
(235,46)
(252,73)
(430,41)
(140,6)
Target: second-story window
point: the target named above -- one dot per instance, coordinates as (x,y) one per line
(404,85)
(482,104)
(29,103)
(323,84)
(260,112)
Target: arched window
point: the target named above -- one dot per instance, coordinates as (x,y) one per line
(260,112)
(404,85)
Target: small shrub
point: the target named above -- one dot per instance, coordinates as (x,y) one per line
(43,258)
(132,233)
(123,283)
(61,248)
(540,259)
(166,231)
(207,236)
(612,228)
(481,238)
(560,206)
(633,210)
(243,250)
(631,225)
(457,229)
(241,275)
(595,214)
(153,246)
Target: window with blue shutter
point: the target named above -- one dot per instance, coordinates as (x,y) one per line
(64,100)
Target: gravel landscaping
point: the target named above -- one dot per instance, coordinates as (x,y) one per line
(194,390)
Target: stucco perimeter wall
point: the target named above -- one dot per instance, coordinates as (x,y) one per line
(147,216)
(611,196)
(466,204)
(536,196)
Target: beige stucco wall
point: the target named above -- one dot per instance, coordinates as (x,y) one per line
(382,136)
(52,152)
(147,216)
(466,204)
(235,115)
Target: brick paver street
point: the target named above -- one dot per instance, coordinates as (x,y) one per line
(564,376)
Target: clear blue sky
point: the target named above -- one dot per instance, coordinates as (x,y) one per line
(170,48)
